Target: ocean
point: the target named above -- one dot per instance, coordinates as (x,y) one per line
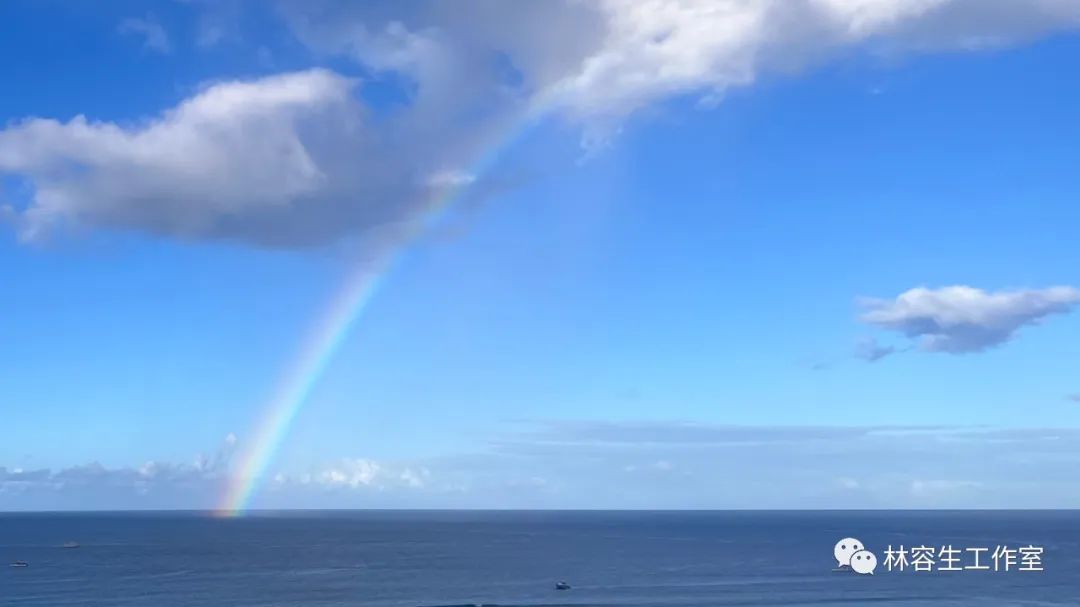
(423,559)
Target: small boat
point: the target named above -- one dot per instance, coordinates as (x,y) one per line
(71,545)
(562,586)
(20,564)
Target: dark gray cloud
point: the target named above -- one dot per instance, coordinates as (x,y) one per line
(962,319)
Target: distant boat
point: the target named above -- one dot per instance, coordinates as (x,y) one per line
(562,586)
(20,564)
(71,544)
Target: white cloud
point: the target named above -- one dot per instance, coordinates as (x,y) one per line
(415,478)
(583,464)
(352,473)
(961,319)
(861,17)
(153,34)
(152,484)
(659,466)
(359,474)
(297,160)
(657,48)
(605,59)
(847,483)
(451,179)
(285,160)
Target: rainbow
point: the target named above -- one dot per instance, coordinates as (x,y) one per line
(329,332)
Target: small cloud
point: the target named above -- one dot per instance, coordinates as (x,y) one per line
(961,319)
(359,474)
(847,483)
(351,473)
(415,478)
(154,36)
(1074,397)
(211,33)
(451,179)
(658,466)
(871,351)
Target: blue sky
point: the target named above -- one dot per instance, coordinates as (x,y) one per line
(735,236)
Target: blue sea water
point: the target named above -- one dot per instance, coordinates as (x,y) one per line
(414,559)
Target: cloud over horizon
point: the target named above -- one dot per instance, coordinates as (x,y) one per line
(298,159)
(93,486)
(652,465)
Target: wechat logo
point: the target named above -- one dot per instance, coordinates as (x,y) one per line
(852,555)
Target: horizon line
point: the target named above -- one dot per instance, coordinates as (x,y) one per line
(214,513)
